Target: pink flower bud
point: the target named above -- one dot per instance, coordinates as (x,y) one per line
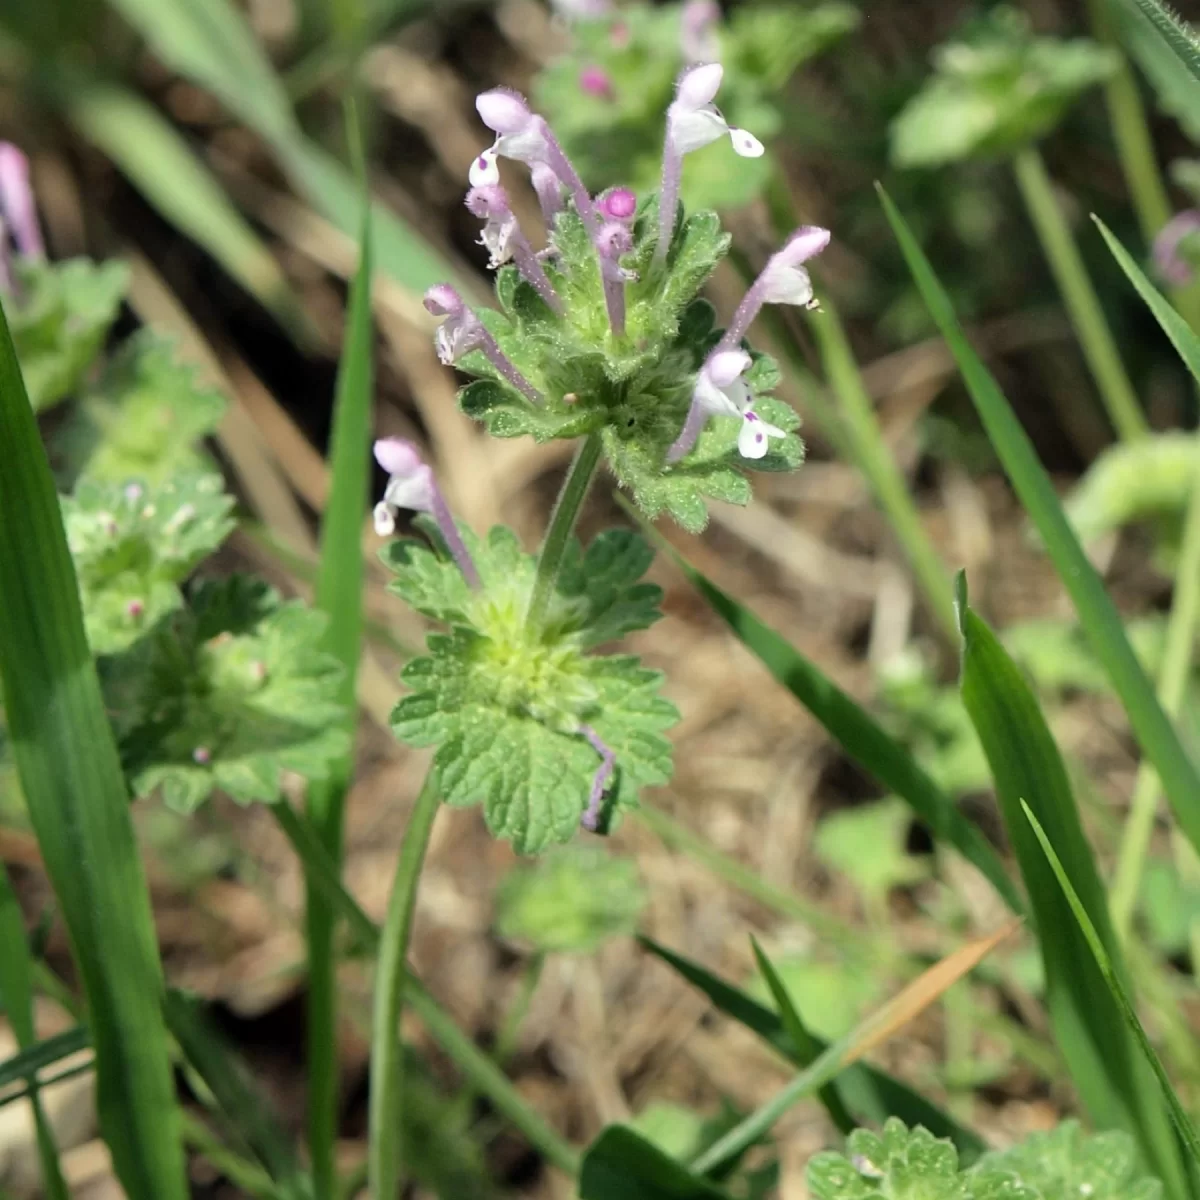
(596,81)
(617,204)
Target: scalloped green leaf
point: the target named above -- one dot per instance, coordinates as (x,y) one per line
(59,316)
(226,695)
(144,415)
(133,546)
(574,898)
(509,710)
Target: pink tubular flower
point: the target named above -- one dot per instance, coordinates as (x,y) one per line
(693,121)
(698,31)
(721,391)
(601,779)
(549,191)
(524,136)
(1171,258)
(462,331)
(504,240)
(411,486)
(613,240)
(18,213)
(596,81)
(782,281)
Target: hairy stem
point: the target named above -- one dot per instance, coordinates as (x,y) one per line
(1083,305)
(385,1113)
(562,523)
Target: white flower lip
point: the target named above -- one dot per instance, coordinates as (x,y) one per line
(485,170)
(753,438)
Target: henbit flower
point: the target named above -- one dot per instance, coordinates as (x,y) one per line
(719,390)
(613,240)
(523,135)
(549,191)
(411,486)
(504,240)
(17,207)
(782,281)
(600,781)
(698,31)
(596,81)
(1176,267)
(693,121)
(462,331)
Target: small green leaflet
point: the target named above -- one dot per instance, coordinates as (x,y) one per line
(134,546)
(507,709)
(226,694)
(904,1164)
(59,317)
(994,91)
(573,898)
(143,416)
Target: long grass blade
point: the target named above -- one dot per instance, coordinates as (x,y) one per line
(863,1038)
(71,777)
(1181,624)
(211,43)
(26,1065)
(150,152)
(240,1101)
(804,1046)
(1097,614)
(16,991)
(1115,986)
(852,727)
(872,1095)
(339,593)
(621,1165)
(1112,1080)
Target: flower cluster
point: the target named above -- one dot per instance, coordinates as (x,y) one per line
(603,331)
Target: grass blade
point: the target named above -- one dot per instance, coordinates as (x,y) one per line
(40,1055)
(1116,989)
(622,1165)
(872,1095)
(79,807)
(1181,624)
(16,991)
(245,1107)
(211,43)
(150,152)
(479,1070)
(1111,1078)
(1097,614)
(852,727)
(868,1034)
(804,1046)
(339,594)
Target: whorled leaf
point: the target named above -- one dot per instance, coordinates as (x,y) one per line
(510,709)
(133,547)
(143,417)
(225,695)
(572,899)
(60,315)
(994,90)
(636,390)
